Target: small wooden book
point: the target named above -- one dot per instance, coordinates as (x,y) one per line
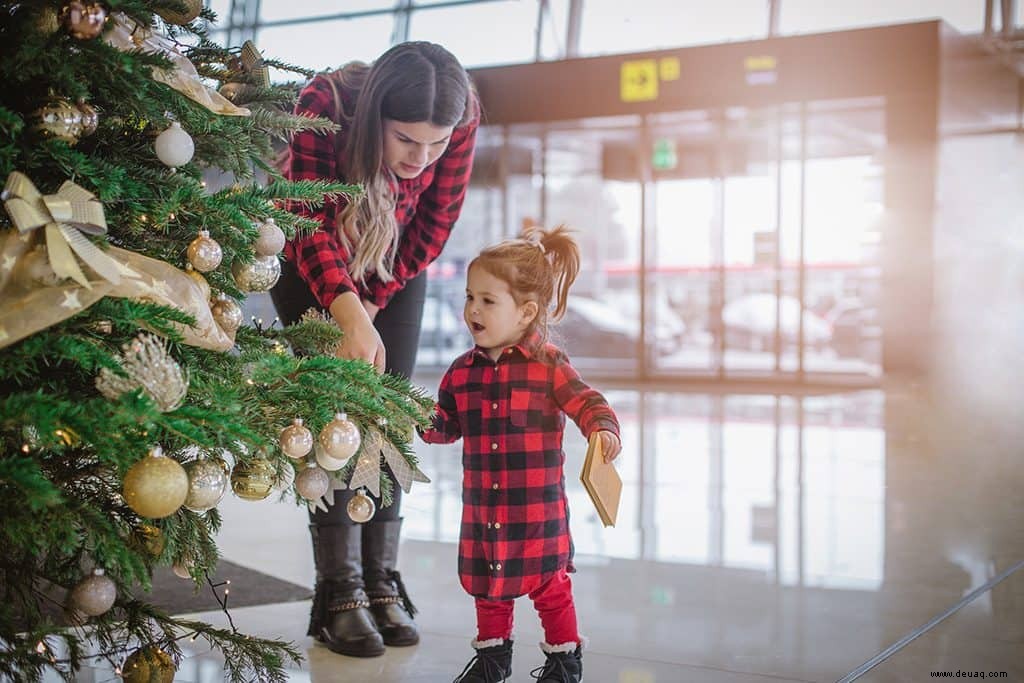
(602,482)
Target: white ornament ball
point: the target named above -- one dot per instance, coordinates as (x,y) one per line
(204,253)
(271,239)
(207,484)
(174,147)
(95,594)
(340,438)
(312,482)
(258,276)
(296,440)
(327,462)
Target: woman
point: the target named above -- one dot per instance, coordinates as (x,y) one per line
(408,128)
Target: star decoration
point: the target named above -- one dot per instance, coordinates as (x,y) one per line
(71,300)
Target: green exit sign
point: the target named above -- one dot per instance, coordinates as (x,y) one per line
(663,156)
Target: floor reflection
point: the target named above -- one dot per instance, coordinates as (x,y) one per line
(788,485)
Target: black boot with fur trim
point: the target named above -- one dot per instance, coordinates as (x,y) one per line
(564,664)
(492,662)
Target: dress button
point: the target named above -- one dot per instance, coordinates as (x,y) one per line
(489,525)
(491,566)
(494,406)
(494,446)
(497,567)
(494,486)
(497,525)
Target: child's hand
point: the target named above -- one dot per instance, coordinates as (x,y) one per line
(610,445)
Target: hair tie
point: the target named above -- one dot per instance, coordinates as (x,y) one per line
(534,239)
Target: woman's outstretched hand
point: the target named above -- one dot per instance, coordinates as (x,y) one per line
(610,445)
(361,339)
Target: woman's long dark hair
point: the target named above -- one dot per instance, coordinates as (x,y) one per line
(412,82)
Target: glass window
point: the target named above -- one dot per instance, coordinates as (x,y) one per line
(609,26)
(461,30)
(328,44)
(222,8)
(808,16)
(277,10)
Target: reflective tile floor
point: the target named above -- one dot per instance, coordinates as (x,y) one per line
(761,538)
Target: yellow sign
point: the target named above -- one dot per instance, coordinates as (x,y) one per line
(762,63)
(638,80)
(668,68)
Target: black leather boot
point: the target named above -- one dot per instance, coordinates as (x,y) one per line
(341,616)
(389,601)
(490,664)
(560,666)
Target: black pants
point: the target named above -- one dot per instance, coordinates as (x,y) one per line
(399,327)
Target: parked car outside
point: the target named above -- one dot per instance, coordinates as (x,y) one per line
(593,328)
(749,323)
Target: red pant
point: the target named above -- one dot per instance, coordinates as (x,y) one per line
(554,604)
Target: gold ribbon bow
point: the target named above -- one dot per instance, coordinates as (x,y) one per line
(65,216)
(253,66)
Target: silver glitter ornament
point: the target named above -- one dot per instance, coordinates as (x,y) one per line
(340,438)
(271,239)
(204,253)
(95,594)
(312,482)
(149,365)
(207,484)
(258,276)
(296,440)
(361,508)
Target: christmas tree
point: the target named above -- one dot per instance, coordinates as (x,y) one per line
(131,394)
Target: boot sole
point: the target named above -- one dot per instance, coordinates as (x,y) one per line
(402,642)
(352,650)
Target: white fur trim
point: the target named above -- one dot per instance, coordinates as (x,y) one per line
(490,642)
(549,649)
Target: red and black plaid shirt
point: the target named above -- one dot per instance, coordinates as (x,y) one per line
(426,206)
(510,415)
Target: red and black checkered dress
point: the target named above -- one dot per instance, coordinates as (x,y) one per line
(510,415)
(426,206)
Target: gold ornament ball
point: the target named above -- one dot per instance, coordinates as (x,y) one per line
(361,508)
(227,314)
(312,482)
(204,253)
(271,239)
(148,665)
(204,286)
(296,440)
(156,486)
(340,438)
(83,20)
(236,92)
(90,117)
(191,11)
(207,484)
(59,119)
(258,276)
(95,594)
(150,539)
(253,480)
